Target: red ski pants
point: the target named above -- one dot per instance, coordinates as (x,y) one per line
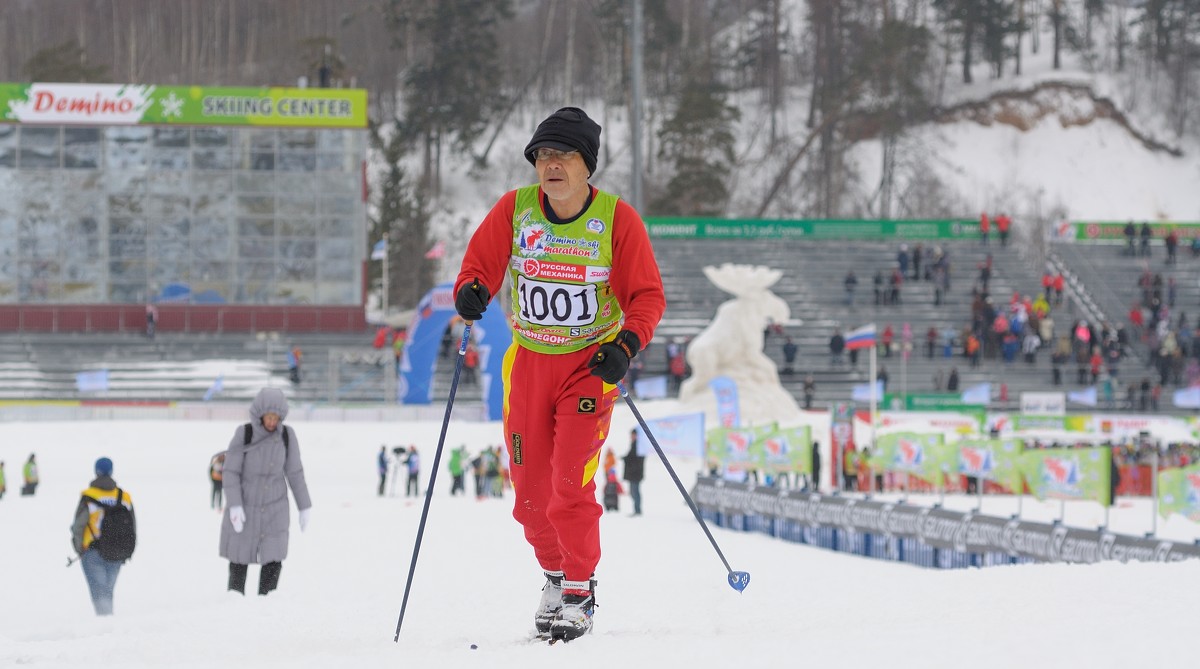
(556,417)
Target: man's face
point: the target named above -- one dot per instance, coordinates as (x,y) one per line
(270,421)
(561,174)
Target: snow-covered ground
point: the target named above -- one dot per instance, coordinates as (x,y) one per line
(663,599)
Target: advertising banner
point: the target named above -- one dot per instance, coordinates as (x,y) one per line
(128,104)
(1179,492)
(962,532)
(923,455)
(1069,473)
(1114,231)
(996,460)
(1043,404)
(723,228)
(788,450)
(676,435)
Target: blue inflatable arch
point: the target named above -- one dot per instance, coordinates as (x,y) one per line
(492,338)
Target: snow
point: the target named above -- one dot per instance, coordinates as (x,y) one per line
(662,595)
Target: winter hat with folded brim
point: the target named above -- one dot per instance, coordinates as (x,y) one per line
(568,129)
(104,467)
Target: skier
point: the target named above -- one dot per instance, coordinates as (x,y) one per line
(586,295)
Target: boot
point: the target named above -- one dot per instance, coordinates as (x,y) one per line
(551,602)
(268,577)
(237,577)
(574,619)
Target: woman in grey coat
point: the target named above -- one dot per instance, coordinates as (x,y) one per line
(259,467)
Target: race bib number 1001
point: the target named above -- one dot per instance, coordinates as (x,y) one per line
(546,303)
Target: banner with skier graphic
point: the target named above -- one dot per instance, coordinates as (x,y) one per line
(1179,492)
(924,455)
(1069,473)
(995,460)
(787,450)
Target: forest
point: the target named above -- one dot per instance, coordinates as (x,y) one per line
(446,76)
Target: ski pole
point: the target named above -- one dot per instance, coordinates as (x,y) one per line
(437,456)
(738,580)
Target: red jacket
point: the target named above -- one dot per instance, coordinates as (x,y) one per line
(1058,282)
(984,223)
(634,279)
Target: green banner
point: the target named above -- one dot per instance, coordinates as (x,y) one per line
(737,447)
(722,228)
(127,104)
(1179,492)
(929,402)
(1069,473)
(925,455)
(1109,231)
(788,450)
(996,460)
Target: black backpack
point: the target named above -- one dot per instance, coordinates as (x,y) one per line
(118,533)
(249,434)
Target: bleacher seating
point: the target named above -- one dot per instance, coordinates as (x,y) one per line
(812,285)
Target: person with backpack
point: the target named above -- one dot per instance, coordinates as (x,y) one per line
(30,474)
(412,487)
(215,468)
(103,534)
(262,462)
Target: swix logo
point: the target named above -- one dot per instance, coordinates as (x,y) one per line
(1060,472)
(976,460)
(530,240)
(909,454)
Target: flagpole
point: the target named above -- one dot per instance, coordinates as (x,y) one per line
(385,281)
(874,387)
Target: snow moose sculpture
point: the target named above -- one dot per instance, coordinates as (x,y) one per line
(732,345)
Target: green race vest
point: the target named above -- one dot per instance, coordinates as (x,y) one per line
(561,299)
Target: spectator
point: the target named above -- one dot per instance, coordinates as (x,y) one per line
(877,282)
(1145,235)
(294,359)
(151,320)
(850,283)
(1171,242)
(381,465)
(677,366)
(216,468)
(261,463)
(952,381)
(931,336)
(458,470)
(1059,280)
(918,251)
(1003,222)
(985,227)
(882,377)
(470,365)
(413,465)
(885,341)
(849,469)
(810,390)
(634,472)
(2,485)
(789,355)
(1130,239)
(30,474)
(837,344)
(902,260)
(937,380)
(101,557)
(1030,346)
(815,480)
(1048,285)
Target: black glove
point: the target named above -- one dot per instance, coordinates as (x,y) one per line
(472,300)
(611,360)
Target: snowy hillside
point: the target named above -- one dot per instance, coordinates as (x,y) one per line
(1058,154)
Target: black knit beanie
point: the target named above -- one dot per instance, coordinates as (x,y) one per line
(568,129)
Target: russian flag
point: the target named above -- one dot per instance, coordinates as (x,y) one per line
(863,337)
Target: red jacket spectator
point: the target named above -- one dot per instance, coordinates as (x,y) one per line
(1135,316)
(1058,282)
(1002,223)
(985,225)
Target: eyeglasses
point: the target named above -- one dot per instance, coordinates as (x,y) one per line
(552,154)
